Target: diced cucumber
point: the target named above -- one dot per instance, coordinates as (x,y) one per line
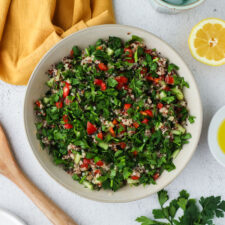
(46,100)
(175,154)
(103,145)
(109,51)
(176,132)
(88,185)
(158,125)
(77,158)
(178,93)
(180,128)
(131,181)
(162,94)
(50,82)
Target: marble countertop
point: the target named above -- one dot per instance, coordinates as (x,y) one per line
(202,176)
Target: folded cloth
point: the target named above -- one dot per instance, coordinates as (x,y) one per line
(28,28)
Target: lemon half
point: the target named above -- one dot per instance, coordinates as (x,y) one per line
(207,41)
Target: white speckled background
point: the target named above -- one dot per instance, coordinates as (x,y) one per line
(202,176)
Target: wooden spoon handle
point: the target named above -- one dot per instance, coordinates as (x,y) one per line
(47,206)
(9,168)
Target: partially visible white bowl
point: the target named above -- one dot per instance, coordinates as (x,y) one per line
(36,88)
(165,7)
(214,147)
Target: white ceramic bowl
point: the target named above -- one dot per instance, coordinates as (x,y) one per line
(36,88)
(215,123)
(168,8)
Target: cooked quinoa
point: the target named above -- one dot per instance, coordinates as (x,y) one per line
(115,113)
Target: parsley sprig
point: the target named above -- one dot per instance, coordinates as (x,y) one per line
(210,207)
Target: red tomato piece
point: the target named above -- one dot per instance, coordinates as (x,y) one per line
(167,88)
(112,132)
(150,78)
(129,51)
(84,166)
(99,163)
(66,90)
(169,80)
(59,105)
(148,51)
(38,103)
(114,122)
(149,112)
(136,124)
(156,176)
(86,161)
(68,101)
(144,70)
(98,82)
(97,171)
(91,129)
(99,47)
(135,177)
(65,118)
(103,86)
(130,60)
(102,67)
(100,136)
(145,121)
(126,107)
(135,152)
(68,126)
(123,145)
(121,79)
(159,105)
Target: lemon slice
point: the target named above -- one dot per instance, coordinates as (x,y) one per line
(207,41)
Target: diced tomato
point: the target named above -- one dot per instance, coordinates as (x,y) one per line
(68,126)
(114,122)
(156,80)
(38,103)
(100,83)
(149,112)
(150,78)
(169,80)
(156,176)
(135,177)
(97,171)
(68,101)
(126,107)
(130,60)
(99,47)
(84,166)
(136,124)
(159,105)
(100,136)
(112,132)
(121,79)
(59,105)
(65,118)
(167,88)
(130,53)
(103,86)
(123,145)
(99,163)
(102,67)
(144,70)
(91,129)
(148,51)
(145,121)
(71,53)
(135,152)
(86,161)
(66,90)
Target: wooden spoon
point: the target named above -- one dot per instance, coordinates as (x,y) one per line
(10,169)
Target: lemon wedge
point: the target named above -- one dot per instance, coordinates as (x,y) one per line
(207,41)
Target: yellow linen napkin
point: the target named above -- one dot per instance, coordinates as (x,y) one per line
(28,28)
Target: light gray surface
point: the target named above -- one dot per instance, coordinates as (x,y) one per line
(202,176)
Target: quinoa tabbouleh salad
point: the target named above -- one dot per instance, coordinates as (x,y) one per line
(114,114)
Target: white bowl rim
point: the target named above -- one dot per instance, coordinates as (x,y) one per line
(179,7)
(132,198)
(214,125)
